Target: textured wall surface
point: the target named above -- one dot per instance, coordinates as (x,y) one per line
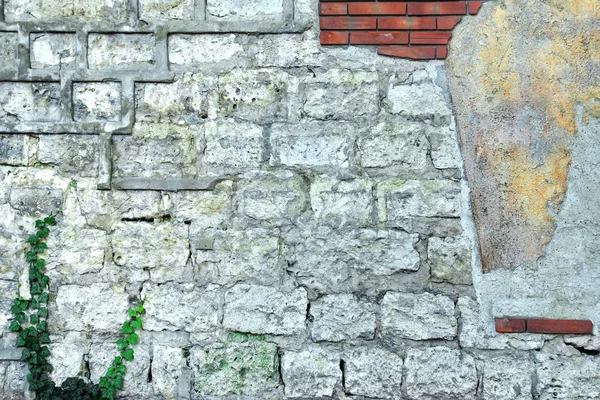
(528,113)
(295,215)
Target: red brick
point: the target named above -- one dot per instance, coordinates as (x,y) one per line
(334,38)
(425,37)
(441,52)
(376,8)
(474,7)
(438,8)
(559,326)
(333,9)
(406,23)
(335,23)
(379,37)
(447,22)
(413,52)
(511,325)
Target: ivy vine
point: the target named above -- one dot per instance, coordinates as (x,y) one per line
(30,322)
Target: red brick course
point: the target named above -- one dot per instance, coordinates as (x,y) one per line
(423,28)
(536,325)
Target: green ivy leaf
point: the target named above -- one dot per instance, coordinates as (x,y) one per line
(30,256)
(132,339)
(118,360)
(140,307)
(43,298)
(131,312)
(33,319)
(122,344)
(127,354)
(121,369)
(42,233)
(50,220)
(32,239)
(40,263)
(136,323)
(43,312)
(45,338)
(126,329)
(111,372)
(39,223)
(14,326)
(42,326)
(44,281)
(20,341)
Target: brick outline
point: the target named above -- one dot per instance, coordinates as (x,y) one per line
(427,25)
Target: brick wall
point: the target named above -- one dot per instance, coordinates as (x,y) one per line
(416,30)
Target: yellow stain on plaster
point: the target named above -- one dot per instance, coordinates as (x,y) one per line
(554,84)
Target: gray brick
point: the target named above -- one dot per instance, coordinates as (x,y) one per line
(166,10)
(120,51)
(8,50)
(51,50)
(29,102)
(69,10)
(97,102)
(239,10)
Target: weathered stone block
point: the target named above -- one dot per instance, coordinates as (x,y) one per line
(311,373)
(560,377)
(394,143)
(13,150)
(158,151)
(120,50)
(135,380)
(9,42)
(450,260)
(507,377)
(97,307)
(327,261)
(429,198)
(342,203)
(418,316)
(233,145)
(262,309)
(163,248)
(36,200)
(273,198)
(51,50)
(342,94)
(274,50)
(444,147)
(167,364)
(235,256)
(97,102)
(29,102)
(114,11)
(69,154)
(166,10)
(249,368)
(7,294)
(373,373)
(181,307)
(312,144)
(67,355)
(422,101)
(257,95)
(13,378)
(77,251)
(184,101)
(203,209)
(342,317)
(207,50)
(239,10)
(440,373)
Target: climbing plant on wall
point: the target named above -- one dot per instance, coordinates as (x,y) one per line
(30,322)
